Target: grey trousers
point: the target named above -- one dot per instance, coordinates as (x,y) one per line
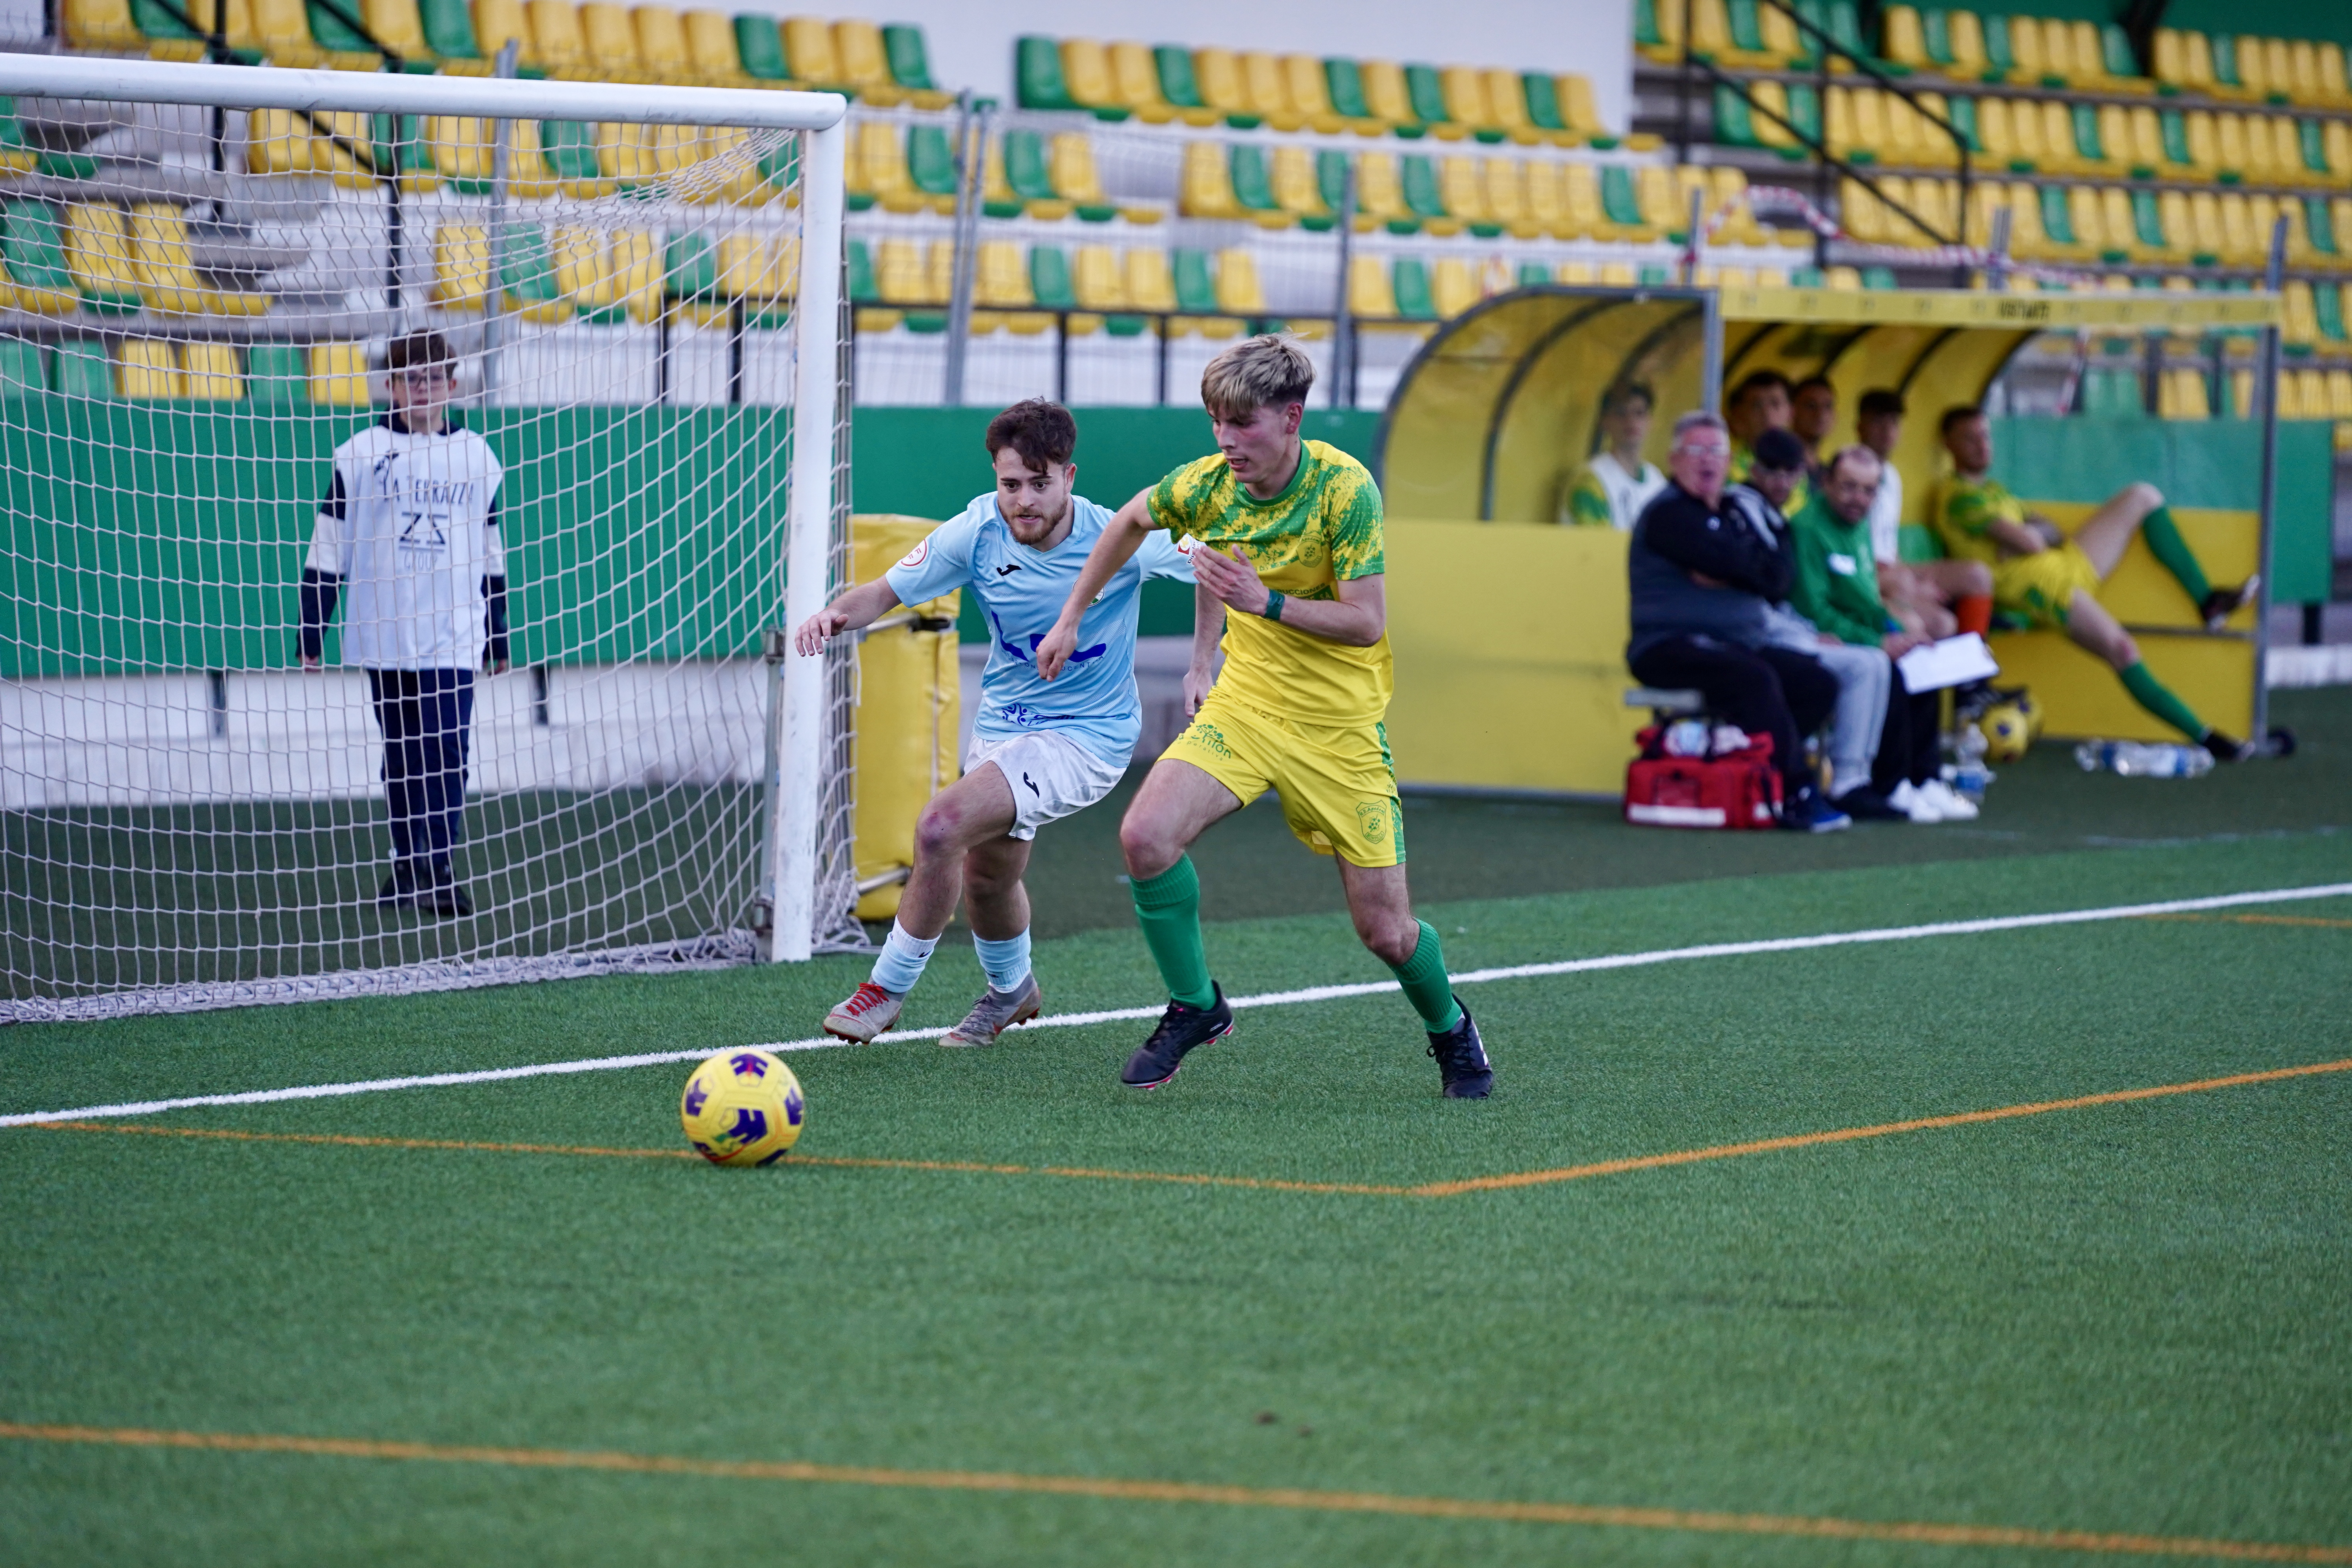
(1865,676)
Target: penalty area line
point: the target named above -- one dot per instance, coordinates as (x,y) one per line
(1114,1488)
(1266,999)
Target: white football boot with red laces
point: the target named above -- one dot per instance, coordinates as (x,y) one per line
(868,1012)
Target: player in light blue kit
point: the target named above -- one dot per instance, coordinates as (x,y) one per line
(1040,751)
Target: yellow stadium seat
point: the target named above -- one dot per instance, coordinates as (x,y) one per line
(1310,92)
(2025,48)
(1862,214)
(284,27)
(1087,74)
(1576,272)
(1070,165)
(608,41)
(1001,284)
(881,162)
(1964,32)
(556,40)
(1218,76)
(584,268)
(759,267)
(900,277)
(1727,187)
(166,273)
(1266,86)
(1579,192)
(1546,200)
(1151,286)
(338,375)
(1903,39)
(1380,192)
(635,259)
(1504,194)
(1207,188)
(865,63)
(98,251)
(663,53)
(1095,280)
(1384,92)
(234,18)
(497,22)
(1369,294)
(461,266)
(1296,186)
(808,46)
(150,369)
(102,26)
(211,372)
(1663,207)
(1459,188)
(1135,83)
(1847,279)
(710,44)
(1465,91)
(396,25)
(1238,288)
(1452,287)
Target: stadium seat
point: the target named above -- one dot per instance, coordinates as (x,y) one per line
(1196,291)
(98,255)
(1087,78)
(689,277)
(1266,87)
(1253,189)
(100,26)
(583,274)
(1343,84)
(1379,195)
(910,65)
(499,21)
(1583,215)
(1422,196)
(461,266)
(1238,289)
(882,171)
(809,54)
(79,368)
(862,61)
(1463,195)
(338,375)
(1070,165)
(24,368)
(283,31)
(1452,287)
(760,49)
(1427,93)
(209,373)
(150,370)
(1179,87)
(710,48)
(1620,207)
(1370,296)
(1298,188)
(1050,289)
(1308,85)
(35,260)
(656,37)
(528,281)
(1408,280)
(1000,291)
(1503,196)
(167,277)
(1098,283)
(1218,79)
(762,272)
(1151,286)
(901,279)
(1134,84)
(1386,98)
(1206,186)
(277,375)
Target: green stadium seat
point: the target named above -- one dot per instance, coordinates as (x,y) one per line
(1038,74)
(1845,28)
(1025,170)
(2225,61)
(760,45)
(2115,52)
(1426,92)
(1805,109)
(81,369)
(1533,274)
(277,372)
(930,161)
(35,260)
(1178,85)
(1655,275)
(527,272)
(2172,132)
(1421,198)
(1619,203)
(22,370)
(2311,136)
(910,64)
(1410,279)
(568,148)
(2327,305)
(15,155)
(1734,126)
(331,33)
(690,269)
(1879,277)
(1196,285)
(2319,222)
(1345,85)
(1543,104)
(448,29)
(1331,179)
(1049,279)
(2057,218)
(1647,33)
(1961,110)
(2147,223)
(1806,278)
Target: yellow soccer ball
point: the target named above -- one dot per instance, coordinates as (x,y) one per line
(2006,732)
(2031,706)
(742,1108)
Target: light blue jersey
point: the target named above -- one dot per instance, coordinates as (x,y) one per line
(1022,592)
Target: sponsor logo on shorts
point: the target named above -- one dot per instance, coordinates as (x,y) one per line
(1209,738)
(1032,784)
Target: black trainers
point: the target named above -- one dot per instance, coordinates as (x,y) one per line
(399,890)
(445,897)
(2222,602)
(2227,749)
(1462,1061)
(1181,1028)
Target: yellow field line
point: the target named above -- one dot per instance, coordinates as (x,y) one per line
(1294,1498)
(1851,1134)
(1265,1184)
(2261,920)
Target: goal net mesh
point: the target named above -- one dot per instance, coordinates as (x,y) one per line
(201,308)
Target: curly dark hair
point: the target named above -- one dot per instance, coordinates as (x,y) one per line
(1038,428)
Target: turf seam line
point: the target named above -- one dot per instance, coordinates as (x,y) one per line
(1450,1189)
(1295,1499)
(1268,999)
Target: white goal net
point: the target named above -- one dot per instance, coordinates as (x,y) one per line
(399,487)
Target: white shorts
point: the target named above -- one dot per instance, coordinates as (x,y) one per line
(1052,777)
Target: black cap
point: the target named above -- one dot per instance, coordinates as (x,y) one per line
(1776,448)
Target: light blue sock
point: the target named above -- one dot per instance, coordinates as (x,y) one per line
(1007,962)
(901,961)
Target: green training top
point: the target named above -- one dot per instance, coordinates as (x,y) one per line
(1836,586)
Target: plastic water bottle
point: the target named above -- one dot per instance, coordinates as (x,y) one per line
(2138,760)
(1969,775)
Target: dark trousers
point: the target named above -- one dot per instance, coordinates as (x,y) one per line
(428,719)
(1770,690)
(1906,750)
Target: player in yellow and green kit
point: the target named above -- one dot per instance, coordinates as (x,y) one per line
(2052,581)
(1289,571)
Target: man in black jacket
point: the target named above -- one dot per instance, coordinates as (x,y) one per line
(1703,580)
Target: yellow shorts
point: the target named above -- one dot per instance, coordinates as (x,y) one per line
(2041,586)
(1337,784)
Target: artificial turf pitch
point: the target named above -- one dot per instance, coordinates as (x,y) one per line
(2125,1320)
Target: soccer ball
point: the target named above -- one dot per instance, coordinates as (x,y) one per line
(2006,732)
(2031,706)
(742,1108)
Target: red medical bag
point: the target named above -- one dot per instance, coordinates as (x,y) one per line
(1728,788)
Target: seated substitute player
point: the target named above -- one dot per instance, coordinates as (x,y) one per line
(408,538)
(1931,598)
(2050,580)
(1298,710)
(1615,484)
(1037,755)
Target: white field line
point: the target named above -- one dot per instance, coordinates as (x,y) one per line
(1268,999)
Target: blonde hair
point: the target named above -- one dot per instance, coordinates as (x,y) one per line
(1256,372)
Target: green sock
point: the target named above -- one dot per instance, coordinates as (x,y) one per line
(1426,983)
(2158,699)
(1169,909)
(2164,541)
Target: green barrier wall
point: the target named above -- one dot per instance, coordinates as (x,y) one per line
(149,537)
(2217,463)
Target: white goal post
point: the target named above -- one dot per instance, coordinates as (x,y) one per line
(803,744)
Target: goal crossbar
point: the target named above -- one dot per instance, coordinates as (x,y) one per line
(273,87)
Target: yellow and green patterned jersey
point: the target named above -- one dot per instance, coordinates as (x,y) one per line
(1588,501)
(1324,528)
(1963,514)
